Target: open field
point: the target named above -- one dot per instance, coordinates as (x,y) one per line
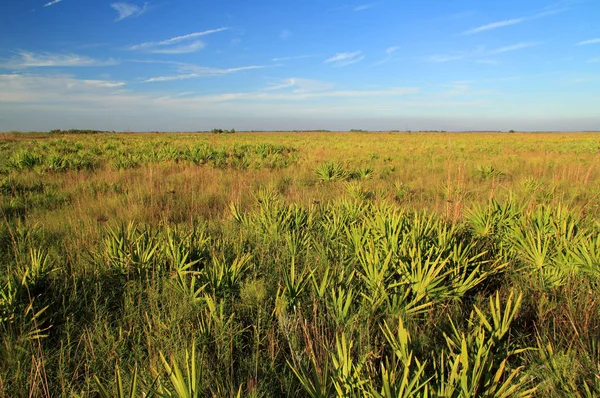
(300,264)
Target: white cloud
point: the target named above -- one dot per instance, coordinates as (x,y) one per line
(50,3)
(45,102)
(155,46)
(514,47)
(292,58)
(513,21)
(183,49)
(198,71)
(364,7)
(15,88)
(445,58)
(494,25)
(479,54)
(389,51)
(178,39)
(587,42)
(549,12)
(36,88)
(281,84)
(344,59)
(27,59)
(170,78)
(306,95)
(126,10)
(300,85)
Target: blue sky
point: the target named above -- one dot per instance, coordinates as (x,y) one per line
(187,65)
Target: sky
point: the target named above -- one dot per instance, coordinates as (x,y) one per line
(188,65)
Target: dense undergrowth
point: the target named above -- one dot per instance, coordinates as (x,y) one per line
(360,295)
(61,155)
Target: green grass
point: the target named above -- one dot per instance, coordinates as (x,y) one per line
(304,264)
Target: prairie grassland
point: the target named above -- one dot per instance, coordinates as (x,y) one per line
(300,264)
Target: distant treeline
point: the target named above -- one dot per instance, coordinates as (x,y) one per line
(225,131)
(78,131)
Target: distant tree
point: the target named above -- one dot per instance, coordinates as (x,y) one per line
(221,131)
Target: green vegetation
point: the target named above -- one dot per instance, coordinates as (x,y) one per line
(221,131)
(300,264)
(77,131)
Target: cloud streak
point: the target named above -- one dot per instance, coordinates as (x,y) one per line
(494,25)
(51,3)
(514,47)
(588,42)
(36,88)
(182,49)
(512,21)
(302,95)
(292,58)
(27,59)
(345,59)
(444,58)
(363,7)
(127,10)
(480,53)
(199,71)
(157,47)
(300,85)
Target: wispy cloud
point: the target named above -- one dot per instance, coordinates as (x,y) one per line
(285,34)
(195,71)
(51,3)
(64,89)
(514,47)
(587,42)
(157,46)
(364,7)
(126,10)
(391,50)
(27,59)
(345,59)
(444,58)
(494,25)
(389,56)
(27,88)
(182,49)
(178,39)
(458,89)
(582,78)
(480,53)
(292,58)
(303,95)
(513,21)
(299,85)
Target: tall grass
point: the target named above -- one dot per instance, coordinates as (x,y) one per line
(235,265)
